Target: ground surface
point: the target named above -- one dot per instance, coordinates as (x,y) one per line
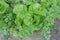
(55,34)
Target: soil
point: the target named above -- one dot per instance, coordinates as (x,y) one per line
(55,34)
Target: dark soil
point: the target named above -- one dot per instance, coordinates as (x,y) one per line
(55,33)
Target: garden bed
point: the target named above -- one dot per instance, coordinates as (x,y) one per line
(37,36)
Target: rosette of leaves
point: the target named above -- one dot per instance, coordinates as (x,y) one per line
(3,6)
(23,19)
(37,12)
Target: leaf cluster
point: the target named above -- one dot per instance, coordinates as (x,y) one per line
(23,17)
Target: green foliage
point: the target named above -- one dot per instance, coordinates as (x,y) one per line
(23,18)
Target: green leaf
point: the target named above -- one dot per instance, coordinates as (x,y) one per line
(37,9)
(20,9)
(3,6)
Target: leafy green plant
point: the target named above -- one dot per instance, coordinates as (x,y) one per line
(23,17)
